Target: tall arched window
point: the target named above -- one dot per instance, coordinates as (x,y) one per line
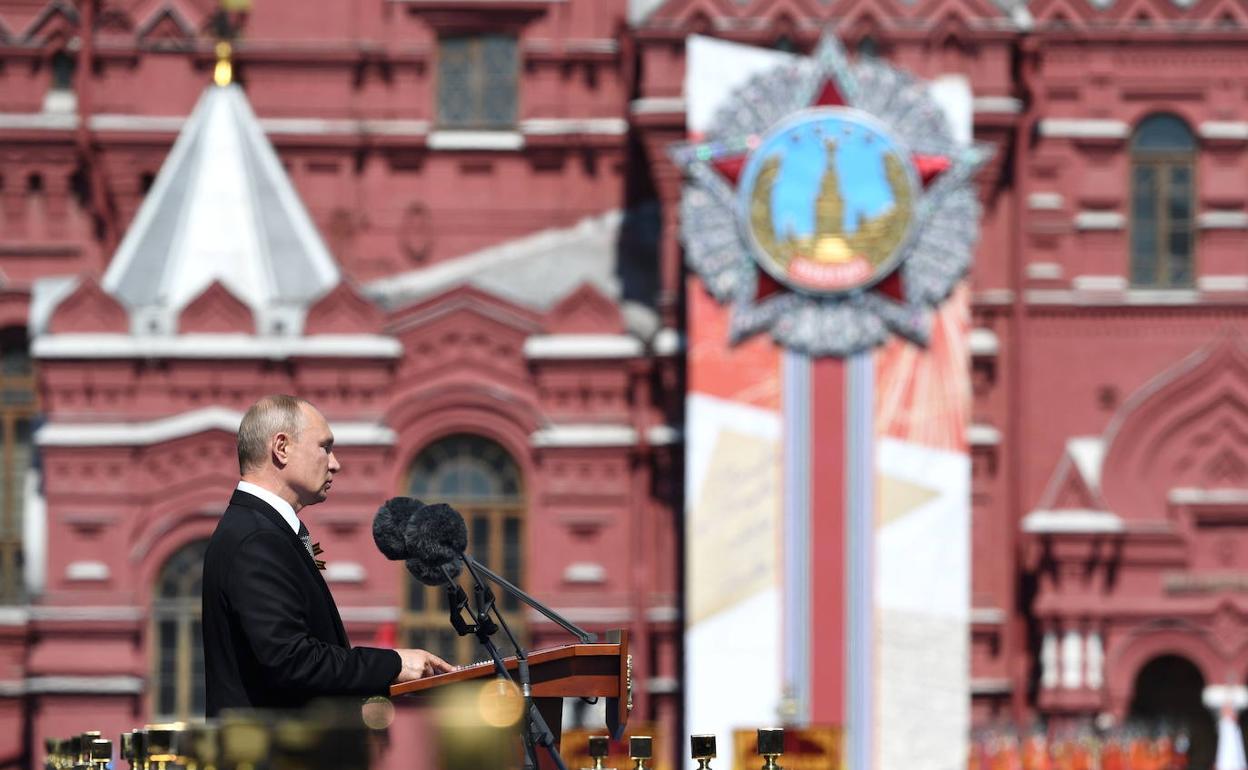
(178,663)
(1163,160)
(480,480)
(18,411)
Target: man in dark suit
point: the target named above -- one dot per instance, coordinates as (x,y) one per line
(272,634)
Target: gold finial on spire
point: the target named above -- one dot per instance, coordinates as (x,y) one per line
(223,75)
(227,22)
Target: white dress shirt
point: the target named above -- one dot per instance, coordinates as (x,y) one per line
(281,506)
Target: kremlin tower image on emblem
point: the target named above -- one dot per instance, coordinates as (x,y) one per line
(844,236)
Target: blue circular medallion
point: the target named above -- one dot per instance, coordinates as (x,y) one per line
(827,200)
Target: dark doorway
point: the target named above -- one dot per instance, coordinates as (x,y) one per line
(1167,697)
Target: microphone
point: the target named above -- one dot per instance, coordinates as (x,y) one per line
(436,537)
(429,539)
(390,523)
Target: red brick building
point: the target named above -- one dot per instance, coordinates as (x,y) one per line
(418,215)
(490,182)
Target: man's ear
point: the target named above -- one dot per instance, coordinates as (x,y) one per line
(281,448)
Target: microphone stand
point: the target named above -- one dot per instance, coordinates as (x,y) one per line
(537,731)
(474,566)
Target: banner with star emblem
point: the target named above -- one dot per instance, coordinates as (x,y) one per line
(829,216)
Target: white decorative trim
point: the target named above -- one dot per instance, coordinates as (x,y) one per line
(1099,283)
(1045,201)
(14,616)
(12,688)
(596,615)
(1163,297)
(587,615)
(1100,220)
(471,2)
(1215,696)
(1130,297)
(993,297)
(302,126)
(60,100)
(344,572)
(1233,130)
(663,614)
(1049,297)
(214,346)
(52,121)
(1073,522)
(584,435)
(988,616)
(1006,105)
(34,534)
(86,614)
(492,141)
(95,685)
(657,105)
(982,435)
(329,126)
(438,139)
(45,295)
(1087,452)
(990,686)
(1094,659)
(662,685)
(1048,661)
(1217,283)
(1022,18)
(1193,496)
(983,342)
(1083,128)
(444,275)
(137,123)
(585,572)
(187,424)
(574,346)
(668,342)
(87,571)
(664,435)
(586,45)
(369,614)
(1043,271)
(1223,220)
(361,434)
(572,126)
(1072,660)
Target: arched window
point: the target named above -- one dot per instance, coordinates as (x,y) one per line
(178,660)
(1163,160)
(18,410)
(1168,695)
(480,480)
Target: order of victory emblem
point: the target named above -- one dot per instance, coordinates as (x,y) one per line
(830,205)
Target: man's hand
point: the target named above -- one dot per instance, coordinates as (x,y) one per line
(419,663)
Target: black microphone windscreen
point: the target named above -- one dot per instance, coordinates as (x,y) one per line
(432,574)
(436,536)
(390,526)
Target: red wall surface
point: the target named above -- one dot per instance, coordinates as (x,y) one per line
(1064,347)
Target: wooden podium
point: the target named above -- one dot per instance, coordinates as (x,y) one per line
(602,670)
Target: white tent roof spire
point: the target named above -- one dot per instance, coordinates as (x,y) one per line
(221,209)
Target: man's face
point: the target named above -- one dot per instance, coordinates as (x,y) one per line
(310,464)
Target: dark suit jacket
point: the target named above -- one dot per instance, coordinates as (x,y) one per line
(272,634)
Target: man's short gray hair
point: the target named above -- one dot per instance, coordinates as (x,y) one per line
(270,415)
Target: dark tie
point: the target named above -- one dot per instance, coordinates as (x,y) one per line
(307,540)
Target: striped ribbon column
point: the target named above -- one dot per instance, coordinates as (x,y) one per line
(829,544)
